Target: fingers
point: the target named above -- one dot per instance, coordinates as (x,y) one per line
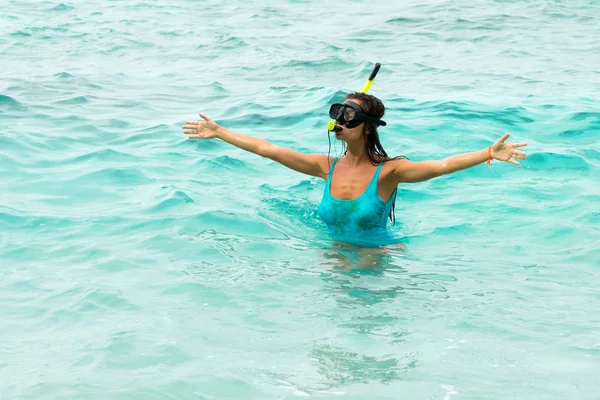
(522,144)
(191,127)
(519,154)
(204,117)
(514,162)
(503,138)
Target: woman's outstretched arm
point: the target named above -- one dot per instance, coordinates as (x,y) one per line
(408,172)
(310,164)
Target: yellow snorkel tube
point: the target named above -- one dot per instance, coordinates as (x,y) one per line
(331,125)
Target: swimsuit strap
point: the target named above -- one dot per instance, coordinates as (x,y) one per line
(328,182)
(375,179)
(377,172)
(331,168)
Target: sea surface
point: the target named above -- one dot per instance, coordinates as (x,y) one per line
(138,264)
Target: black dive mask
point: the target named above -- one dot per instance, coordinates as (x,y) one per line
(350,115)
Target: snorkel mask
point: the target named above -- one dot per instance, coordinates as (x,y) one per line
(349,114)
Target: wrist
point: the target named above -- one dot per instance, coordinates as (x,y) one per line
(489,155)
(219,132)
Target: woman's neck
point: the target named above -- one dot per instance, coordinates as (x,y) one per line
(356,154)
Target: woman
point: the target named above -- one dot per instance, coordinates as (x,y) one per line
(361,185)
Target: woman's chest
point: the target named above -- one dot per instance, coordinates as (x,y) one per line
(351,183)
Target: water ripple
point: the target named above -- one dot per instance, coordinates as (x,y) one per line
(132,260)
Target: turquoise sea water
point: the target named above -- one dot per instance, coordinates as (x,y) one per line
(136,264)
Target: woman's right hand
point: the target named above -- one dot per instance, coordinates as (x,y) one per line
(206,129)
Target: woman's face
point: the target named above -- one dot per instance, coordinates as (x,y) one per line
(351,134)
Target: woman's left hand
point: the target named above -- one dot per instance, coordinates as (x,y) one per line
(506,151)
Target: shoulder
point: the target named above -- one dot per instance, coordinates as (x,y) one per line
(321,159)
(395,169)
(327,160)
(397,163)
(325,163)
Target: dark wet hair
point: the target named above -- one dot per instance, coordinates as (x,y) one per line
(374,107)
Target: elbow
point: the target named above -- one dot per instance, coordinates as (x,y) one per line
(267,150)
(442,168)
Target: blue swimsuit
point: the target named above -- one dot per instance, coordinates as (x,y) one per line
(361,218)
